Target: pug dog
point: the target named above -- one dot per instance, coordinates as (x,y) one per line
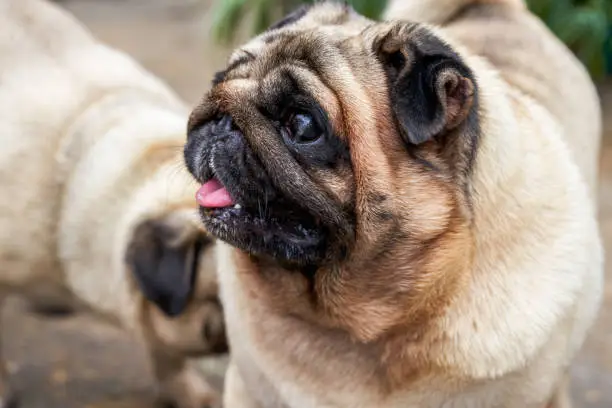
(95,205)
(406,207)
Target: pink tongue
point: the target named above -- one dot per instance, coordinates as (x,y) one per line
(213,195)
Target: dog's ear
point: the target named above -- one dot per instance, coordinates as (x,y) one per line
(432,91)
(163,259)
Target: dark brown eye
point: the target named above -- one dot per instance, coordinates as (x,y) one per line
(302,128)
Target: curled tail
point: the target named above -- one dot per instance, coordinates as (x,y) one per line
(436,11)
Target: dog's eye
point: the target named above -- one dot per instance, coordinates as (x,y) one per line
(302,128)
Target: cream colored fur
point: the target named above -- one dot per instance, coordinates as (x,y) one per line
(439,14)
(509,339)
(81,129)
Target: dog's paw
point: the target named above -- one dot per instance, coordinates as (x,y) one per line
(204,403)
(189,390)
(169,404)
(50,304)
(52,310)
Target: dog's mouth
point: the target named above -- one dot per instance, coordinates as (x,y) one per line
(244,201)
(279,229)
(213,194)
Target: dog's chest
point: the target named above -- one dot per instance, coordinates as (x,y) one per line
(284,364)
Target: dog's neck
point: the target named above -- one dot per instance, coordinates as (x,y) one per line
(523,230)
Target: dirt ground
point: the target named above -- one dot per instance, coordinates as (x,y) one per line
(72,362)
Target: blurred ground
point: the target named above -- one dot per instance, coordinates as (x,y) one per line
(76,362)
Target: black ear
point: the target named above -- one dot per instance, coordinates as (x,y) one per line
(431,89)
(163,265)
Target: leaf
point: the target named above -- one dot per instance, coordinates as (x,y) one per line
(541,8)
(227,15)
(263,16)
(583,25)
(369,8)
(597,66)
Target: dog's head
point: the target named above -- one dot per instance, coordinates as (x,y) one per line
(341,147)
(173,264)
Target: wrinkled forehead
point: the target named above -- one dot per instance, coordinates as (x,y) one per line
(328,22)
(318,52)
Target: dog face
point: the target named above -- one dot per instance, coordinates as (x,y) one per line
(173,265)
(343,148)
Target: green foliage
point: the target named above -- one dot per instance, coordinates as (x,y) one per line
(229,14)
(226,18)
(584,25)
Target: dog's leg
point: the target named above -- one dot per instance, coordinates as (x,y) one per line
(182,386)
(235,394)
(561,398)
(7,397)
(54,302)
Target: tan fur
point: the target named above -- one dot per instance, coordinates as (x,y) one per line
(492,280)
(91,148)
(442,11)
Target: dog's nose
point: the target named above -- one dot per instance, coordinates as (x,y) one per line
(217,126)
(223,124)
(201,139)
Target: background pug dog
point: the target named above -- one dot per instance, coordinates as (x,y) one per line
(409,209)
(94,203)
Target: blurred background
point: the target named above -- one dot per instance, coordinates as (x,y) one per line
(73,361)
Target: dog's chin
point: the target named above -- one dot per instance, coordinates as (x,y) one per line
(289,236)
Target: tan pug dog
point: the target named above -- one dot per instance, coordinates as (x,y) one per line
(408,209)
(94,203)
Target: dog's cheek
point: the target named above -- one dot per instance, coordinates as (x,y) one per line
(338,183)
(425,204)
